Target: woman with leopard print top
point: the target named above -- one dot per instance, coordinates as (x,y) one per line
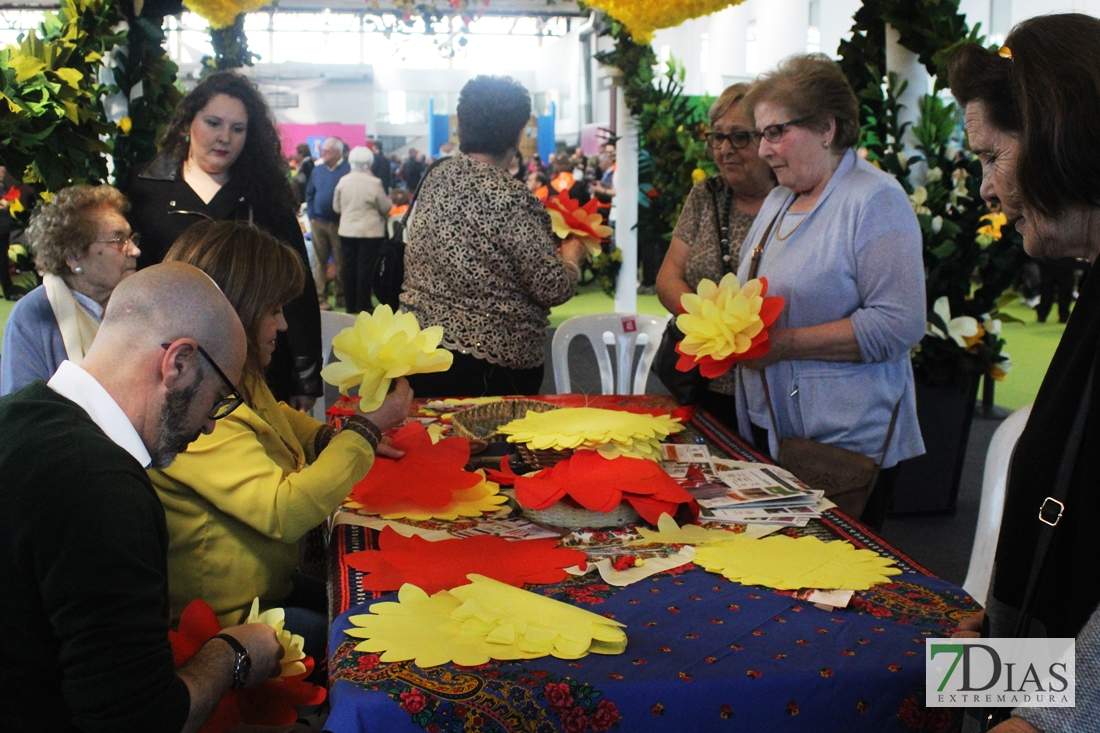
(481,259)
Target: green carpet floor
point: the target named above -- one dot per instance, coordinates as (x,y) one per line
(1030,344)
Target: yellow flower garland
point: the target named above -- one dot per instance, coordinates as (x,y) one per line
(643,17)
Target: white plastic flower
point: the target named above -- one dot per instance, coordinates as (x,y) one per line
(917,199)
(991,325)
(934,174)
(937,224)
(964,330)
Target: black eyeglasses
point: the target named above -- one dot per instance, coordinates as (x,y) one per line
(121,243)
(738,139)
(226,404)
(774,133)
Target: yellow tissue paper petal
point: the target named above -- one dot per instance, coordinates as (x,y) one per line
(721,319)
(482,497)
(485,619)
(293,644)
(670,533)
(382,346)
(786,563)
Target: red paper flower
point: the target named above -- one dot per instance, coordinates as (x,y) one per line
(430,480)
(601,484)
(272,703)
(570,219)
(436,566)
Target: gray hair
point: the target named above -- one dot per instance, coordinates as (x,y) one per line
(360,158)
(66,226)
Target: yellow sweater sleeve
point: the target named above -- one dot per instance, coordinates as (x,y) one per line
(250,475)
(304,427)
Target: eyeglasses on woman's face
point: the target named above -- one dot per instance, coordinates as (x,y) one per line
(121,243)
(738,139)
(775,133)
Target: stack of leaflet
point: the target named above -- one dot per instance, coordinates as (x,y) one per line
(760,494)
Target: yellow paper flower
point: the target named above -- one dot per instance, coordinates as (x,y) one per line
(487,619)
(15,207)
(698,175)
(292,644)
(381,347)
(993,228)
(612,432)
(724,322)
(125,125)
(642,17)
(785,563)
(222,13)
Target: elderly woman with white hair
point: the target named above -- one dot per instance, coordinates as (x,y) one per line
(361,201)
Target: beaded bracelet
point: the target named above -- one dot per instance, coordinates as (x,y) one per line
(363,426)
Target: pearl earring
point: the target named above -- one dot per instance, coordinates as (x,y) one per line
(825,145)
(78,270)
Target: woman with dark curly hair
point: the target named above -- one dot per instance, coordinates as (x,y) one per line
(84,247)
(481,259)
(221,160)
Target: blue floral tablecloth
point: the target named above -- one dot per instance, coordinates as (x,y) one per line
(704,654)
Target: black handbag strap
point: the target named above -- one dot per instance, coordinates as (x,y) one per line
(1053,506)
(400,235)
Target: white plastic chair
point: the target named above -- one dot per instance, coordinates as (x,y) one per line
(622,330)
(994,480)
(332,323)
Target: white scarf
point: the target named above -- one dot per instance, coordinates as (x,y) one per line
(78,326)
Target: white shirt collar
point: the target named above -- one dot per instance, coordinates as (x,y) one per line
(82,388)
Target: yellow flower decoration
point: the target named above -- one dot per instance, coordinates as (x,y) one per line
(487,619)
(993,228)
(222,13)
(378,349)
(726,320)
(785,563)
(482,497)
(15,207)
(698,175)
(670,533)
(125,125)
(643,17)
(612,432)
(292,644)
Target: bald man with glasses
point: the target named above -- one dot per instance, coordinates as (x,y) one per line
(83,543)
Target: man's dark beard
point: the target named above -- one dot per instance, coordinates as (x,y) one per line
(173,424)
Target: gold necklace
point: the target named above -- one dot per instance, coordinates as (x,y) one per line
(779,227)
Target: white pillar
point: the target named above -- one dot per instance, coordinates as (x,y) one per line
(907,65)
(626,205)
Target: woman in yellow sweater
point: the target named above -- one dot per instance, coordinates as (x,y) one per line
(238,501)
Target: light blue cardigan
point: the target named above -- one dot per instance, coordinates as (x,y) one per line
(33,347)
(858,254)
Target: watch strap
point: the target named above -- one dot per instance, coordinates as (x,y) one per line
(243,664)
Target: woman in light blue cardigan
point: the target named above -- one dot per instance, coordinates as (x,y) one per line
(842,246)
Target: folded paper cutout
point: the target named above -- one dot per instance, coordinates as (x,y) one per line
(786,563)
(486,619)
(293,644)
(612,432)
(600,484)
(668,532)
(725,323)
(272,703)
(570,219)
(429,481)
(436,566)
(381,347)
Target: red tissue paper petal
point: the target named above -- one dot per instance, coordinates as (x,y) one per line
(427,475)
(600,484)
(442,565)
(567,207)
(760,345)
(272,703)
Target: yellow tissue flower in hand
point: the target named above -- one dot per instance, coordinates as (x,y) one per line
(725,323)
(292,644)
(381,347)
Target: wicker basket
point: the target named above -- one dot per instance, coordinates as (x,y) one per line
(540,459)
(482,422)
(569,517)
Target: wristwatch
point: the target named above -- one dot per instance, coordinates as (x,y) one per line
(244,662)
